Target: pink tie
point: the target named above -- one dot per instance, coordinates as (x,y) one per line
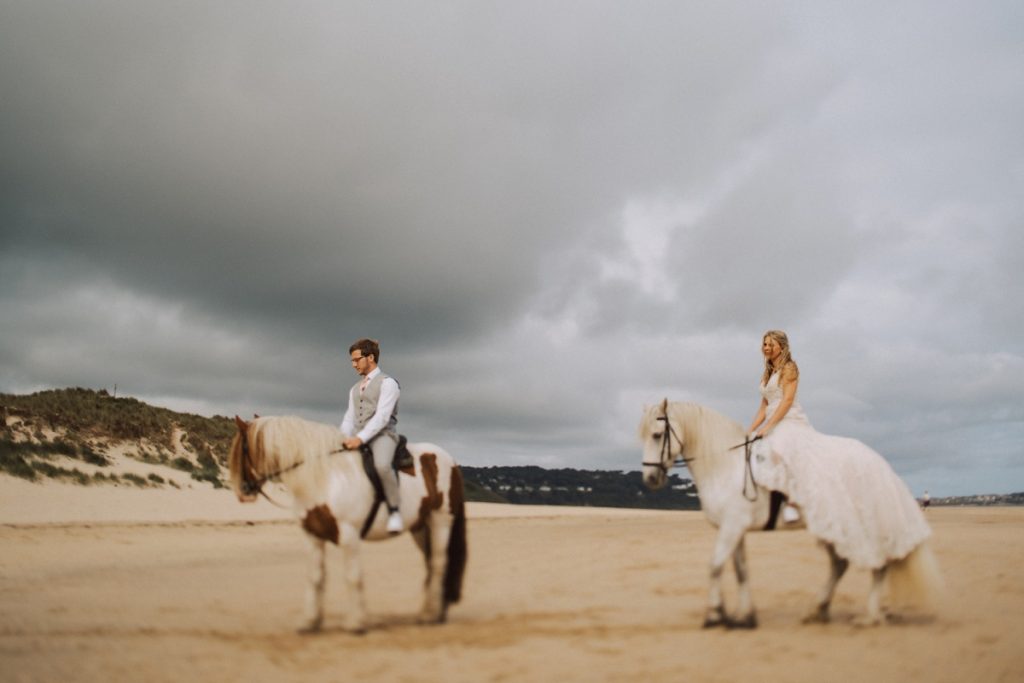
(362,385)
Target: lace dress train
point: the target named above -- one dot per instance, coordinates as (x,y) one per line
(848,494)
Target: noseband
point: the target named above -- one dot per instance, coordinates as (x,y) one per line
(667,461)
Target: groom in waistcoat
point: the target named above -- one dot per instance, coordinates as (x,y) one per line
(371,418)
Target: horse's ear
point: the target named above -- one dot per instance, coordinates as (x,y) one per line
(243,426)
(255,416)
(664,406)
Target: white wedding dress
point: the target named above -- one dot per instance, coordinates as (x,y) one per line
(848,494)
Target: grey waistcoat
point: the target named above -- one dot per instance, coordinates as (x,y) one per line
(366,404)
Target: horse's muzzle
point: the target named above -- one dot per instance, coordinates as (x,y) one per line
(654,479)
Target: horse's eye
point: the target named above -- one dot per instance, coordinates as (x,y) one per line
(657,437)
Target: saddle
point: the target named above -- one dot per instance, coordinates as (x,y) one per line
(401,462)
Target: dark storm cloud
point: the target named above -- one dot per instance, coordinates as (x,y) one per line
(549,213)
(336,165)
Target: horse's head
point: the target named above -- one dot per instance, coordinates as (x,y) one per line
(244,479)
(662,441)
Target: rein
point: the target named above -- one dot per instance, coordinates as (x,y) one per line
(748,471)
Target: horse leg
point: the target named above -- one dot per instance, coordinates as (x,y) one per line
(352,570)
(316,577)
(725,546)
(434,608)
(422,538)
(874,614)
(745,615)
(423,541)
(819,615)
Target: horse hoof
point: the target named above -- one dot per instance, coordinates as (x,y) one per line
(867,621)
(430,618)
(715,617)
(818,616)
(748,622)
(310,627)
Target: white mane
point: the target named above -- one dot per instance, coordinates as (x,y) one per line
(708,433)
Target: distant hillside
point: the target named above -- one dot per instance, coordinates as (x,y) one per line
(982,499)
(47,433)
(598,488)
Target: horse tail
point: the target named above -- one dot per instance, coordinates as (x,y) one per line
(456,566)
(916,579)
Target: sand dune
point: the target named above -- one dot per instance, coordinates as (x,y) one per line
(117,584)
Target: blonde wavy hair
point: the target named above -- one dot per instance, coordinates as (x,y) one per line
(786,363)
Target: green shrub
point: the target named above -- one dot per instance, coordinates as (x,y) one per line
(65,447)
(183,464)
(48,449)
(92,457)
(57,472)
(134,478)
(210,476)
(15,464)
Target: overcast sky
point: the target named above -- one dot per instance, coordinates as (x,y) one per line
(549,213)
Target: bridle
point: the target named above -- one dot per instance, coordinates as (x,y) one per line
(667,461)
(251,483)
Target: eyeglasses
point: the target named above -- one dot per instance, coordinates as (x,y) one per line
(359,358)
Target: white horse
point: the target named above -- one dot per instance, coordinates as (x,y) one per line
(335,499)
(735,504)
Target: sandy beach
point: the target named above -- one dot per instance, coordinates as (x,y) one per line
(116,584)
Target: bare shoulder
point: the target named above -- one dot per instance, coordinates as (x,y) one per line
(790,373)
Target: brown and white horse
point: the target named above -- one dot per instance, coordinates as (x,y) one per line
(334,498)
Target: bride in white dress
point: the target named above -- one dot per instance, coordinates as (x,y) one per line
(848,494)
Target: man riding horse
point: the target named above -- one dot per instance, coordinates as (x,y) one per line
(371,418)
